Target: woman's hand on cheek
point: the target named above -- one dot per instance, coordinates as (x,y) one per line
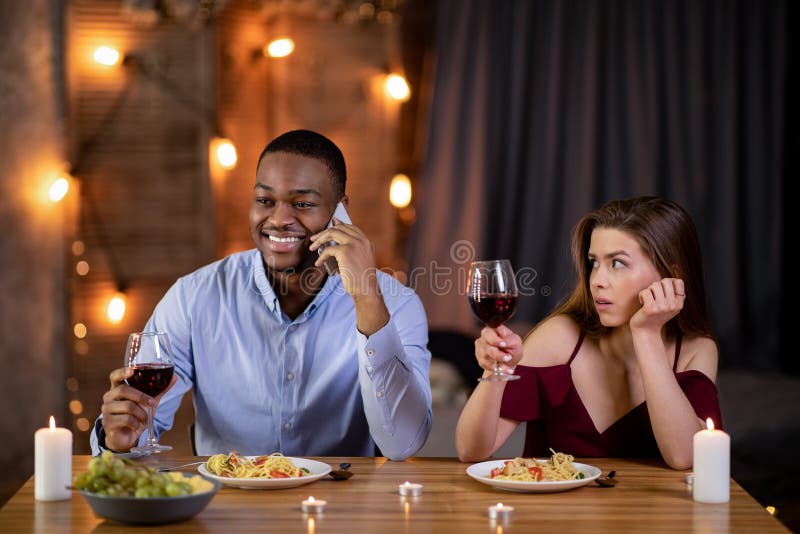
(661,301)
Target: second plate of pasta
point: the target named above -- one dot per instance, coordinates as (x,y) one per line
(311,470)
(482,473)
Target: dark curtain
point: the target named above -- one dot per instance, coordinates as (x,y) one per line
(543,110)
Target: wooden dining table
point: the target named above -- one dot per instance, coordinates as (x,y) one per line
(649,497)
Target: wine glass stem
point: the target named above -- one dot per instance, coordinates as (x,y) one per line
(151,432)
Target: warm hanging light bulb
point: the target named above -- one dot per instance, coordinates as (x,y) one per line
(397,87)
(116,307)
(105,55)
(225,152)
(400,191)
(279,47)
(58,189)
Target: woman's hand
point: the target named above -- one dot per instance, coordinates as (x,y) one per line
(124,411)
(661,301)
(498,346)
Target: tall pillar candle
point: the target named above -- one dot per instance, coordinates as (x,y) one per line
(53,463)
(712,465)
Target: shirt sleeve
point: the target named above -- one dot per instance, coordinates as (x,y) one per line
(393,374)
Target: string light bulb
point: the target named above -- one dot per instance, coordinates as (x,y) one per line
(279,47)
(225,152)
(58,189)
(397,87)
(116,307)
(105,55)
(400,191)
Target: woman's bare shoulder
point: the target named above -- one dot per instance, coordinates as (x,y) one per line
(551,342)
(699,353)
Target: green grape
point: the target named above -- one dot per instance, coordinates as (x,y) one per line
(173,489)
(142,493)
(82,480)
(95,466)
(114,476)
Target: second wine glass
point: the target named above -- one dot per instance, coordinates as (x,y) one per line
(149,355)
(493,295)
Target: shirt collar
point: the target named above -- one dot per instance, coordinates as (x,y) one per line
(332,284)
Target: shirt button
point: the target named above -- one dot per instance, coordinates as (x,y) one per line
(289,376)
(287,426)
(379,394)
(370,352)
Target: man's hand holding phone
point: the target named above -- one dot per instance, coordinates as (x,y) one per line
(339,214)
(355,255)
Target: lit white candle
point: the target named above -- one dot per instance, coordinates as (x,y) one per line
(500,511)
(409,489)
(53,463)
(712,465)
(312,505)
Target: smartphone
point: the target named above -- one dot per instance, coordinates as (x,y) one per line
(340,213)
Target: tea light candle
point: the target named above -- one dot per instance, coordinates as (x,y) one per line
(500,511)
(712,465)
(53,463)
(409,489)
(313,505)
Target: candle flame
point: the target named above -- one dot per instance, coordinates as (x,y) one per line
(709,424)
(407,483)
(52,423)
(311,499)
(499,505)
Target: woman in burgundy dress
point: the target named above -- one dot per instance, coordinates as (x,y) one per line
(625,366)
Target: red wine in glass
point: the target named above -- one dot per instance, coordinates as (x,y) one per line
(148,355)
(493,296)
(151,378)
(494,310)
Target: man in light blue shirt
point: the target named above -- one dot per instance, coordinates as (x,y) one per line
(280,355)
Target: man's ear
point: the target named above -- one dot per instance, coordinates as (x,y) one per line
(345,200)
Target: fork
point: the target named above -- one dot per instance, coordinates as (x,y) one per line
(176,467)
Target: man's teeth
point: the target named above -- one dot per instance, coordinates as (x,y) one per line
(284,239)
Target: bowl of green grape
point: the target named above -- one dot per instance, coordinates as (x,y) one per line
(121,490)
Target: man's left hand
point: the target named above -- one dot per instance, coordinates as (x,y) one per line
(355,254)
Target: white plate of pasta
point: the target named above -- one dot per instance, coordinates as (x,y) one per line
(267,471)
(531,475)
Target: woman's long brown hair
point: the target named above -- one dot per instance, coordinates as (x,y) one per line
(667,235)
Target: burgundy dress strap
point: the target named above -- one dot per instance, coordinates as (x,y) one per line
(577,347)
(677,351)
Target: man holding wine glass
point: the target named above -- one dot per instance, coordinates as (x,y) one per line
(280,354)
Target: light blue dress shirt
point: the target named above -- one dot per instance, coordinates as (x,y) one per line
(312,386)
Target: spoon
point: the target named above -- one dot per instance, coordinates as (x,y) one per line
(343,473)
(607,481)
(176,467)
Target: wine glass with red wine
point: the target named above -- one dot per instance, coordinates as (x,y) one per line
(149,355)
(493,295)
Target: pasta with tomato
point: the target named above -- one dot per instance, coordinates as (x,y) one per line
(274,465)
(558,468)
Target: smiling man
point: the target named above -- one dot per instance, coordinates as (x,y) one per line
(280,355)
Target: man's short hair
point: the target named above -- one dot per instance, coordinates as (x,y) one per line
(311,145)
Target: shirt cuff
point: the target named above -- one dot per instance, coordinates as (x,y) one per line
(98,439)
(377,350)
